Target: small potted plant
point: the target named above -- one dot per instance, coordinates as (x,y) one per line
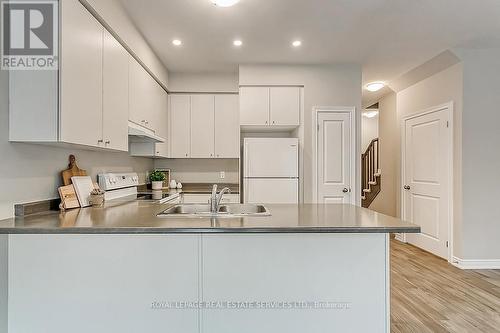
(157,178)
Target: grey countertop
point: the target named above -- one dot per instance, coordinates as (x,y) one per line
(136,217)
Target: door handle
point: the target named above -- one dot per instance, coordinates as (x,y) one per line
(346,190)
(407,187)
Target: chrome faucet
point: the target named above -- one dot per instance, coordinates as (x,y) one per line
(215,198)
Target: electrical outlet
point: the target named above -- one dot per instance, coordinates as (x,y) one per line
(222,175)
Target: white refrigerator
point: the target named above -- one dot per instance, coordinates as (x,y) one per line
(271,170)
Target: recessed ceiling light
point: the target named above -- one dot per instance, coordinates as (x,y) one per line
(237,42)
(296,43)
(225,3)
(177,42)
(375,86)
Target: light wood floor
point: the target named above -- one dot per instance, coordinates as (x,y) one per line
(430,295)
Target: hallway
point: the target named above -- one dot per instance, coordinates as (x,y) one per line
(430,295)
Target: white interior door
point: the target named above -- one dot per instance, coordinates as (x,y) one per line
(334,157)
(426,196)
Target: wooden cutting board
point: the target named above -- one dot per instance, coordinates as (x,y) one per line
(72,171)
(68,197)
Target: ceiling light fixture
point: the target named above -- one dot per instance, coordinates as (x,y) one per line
(297,43)
(225,3)
(177,42)
(237,42)
(375,86)
(370,114)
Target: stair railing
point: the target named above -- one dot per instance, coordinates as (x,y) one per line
(370,168)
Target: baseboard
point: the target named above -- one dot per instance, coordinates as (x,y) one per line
(400,237)
(476,263)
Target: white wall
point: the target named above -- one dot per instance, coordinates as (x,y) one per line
(369,131)
(443,87)
(203,82)
(325,85)
(201,170)
(480,158)
(117,18)
(385,202)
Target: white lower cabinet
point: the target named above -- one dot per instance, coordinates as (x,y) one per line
(102,283)
(278,274)
(264,283)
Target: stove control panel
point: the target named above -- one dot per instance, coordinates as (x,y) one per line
(115,181)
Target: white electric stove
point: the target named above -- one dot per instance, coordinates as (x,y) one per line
(124,186)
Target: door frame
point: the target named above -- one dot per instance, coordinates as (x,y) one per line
(446,106)
(351,111)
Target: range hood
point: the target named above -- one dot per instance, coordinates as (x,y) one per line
(137,133)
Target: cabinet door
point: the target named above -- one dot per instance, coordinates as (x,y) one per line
(254,106)
(227,127)
(139,93)
(153,109)
(141,271)
(202,126)
(180,119)
(81,76)
(115,94)
(285,106)
(162,148)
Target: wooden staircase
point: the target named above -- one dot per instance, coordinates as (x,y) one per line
(370,174)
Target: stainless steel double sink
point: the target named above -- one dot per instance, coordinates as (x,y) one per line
(229,210)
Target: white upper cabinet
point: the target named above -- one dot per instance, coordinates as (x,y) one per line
(202,126)
(81,71)
(139,93)
(227,129)
(254,106)
(284,106)
(87,102)
(162,149)
(269,108)
(180,125)
(115,94)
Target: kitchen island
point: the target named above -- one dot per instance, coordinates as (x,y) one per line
(120,268)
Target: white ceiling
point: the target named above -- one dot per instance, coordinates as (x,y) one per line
(388,37)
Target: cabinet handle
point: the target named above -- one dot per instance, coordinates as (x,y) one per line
(266,122)
(100,141)
(186,155)
(107,142)
(273,122)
